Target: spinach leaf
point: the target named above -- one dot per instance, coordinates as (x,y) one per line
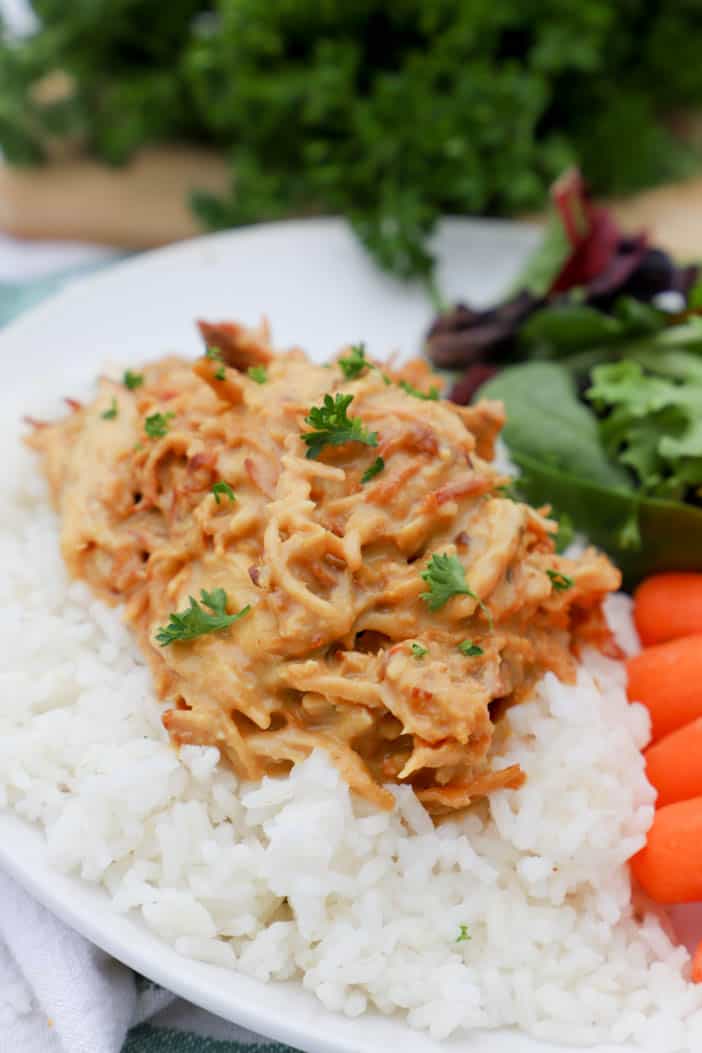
(555,442)
(642,535)
(567,327)
(547,422)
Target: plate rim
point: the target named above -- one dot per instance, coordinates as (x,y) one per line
(82,283)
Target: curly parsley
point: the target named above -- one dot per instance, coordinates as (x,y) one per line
(195,621)
(375,469)
(560,582)
(214,354)
(112,412)
(445,577)
(132,381)
(463,934)
(223,488)
(332,426)
(469,649)
(257,373)
(353,365)
(156,425)
(431,396)
(418,651)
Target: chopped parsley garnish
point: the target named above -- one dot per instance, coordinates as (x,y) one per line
(223,488)
(463,934)
(333,427)
(156,425)
(469,649)
(375,469)
(418,651)
(258,373)
(132,380)
(431,396)
(112,412)
(195,621)
(353,365)
(220,373)
(560,582)
(445,577)
(214,354)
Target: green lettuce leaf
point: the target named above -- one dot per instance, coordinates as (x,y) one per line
(653,425)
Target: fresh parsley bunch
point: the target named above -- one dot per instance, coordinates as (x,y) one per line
(389,113)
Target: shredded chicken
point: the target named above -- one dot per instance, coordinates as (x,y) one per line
(330,566)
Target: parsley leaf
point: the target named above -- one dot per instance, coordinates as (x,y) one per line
(469,649)
(156,425)
(220,373)
(431,396)
(111,413)
(214,354)
(132,380)
(445,577)
(195,621)
(223,488)
(375,469)
(258,373)
(418,651)
(355,363)
(560,582)
(463,934)
(333,427)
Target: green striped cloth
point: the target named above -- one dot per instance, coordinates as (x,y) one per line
(145,1038)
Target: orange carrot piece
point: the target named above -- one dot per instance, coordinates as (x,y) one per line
(668,606)
(669,867)
(667,678)
(674,764)
(696,976)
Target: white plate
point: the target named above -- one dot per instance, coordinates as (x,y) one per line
(319,290)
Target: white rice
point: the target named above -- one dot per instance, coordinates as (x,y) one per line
(295,878)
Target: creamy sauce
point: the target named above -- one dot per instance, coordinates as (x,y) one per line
(329,565)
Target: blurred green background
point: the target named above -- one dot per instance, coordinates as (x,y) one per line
(390,112)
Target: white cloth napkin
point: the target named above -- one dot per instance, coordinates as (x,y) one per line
(61,994)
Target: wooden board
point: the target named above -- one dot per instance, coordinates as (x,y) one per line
(145,203)
(137,206)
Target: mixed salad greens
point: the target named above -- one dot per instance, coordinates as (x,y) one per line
(598,359)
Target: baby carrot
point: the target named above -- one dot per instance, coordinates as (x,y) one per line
(697,965)
(667,678)
(674,764)
(669,867)
(667,606)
